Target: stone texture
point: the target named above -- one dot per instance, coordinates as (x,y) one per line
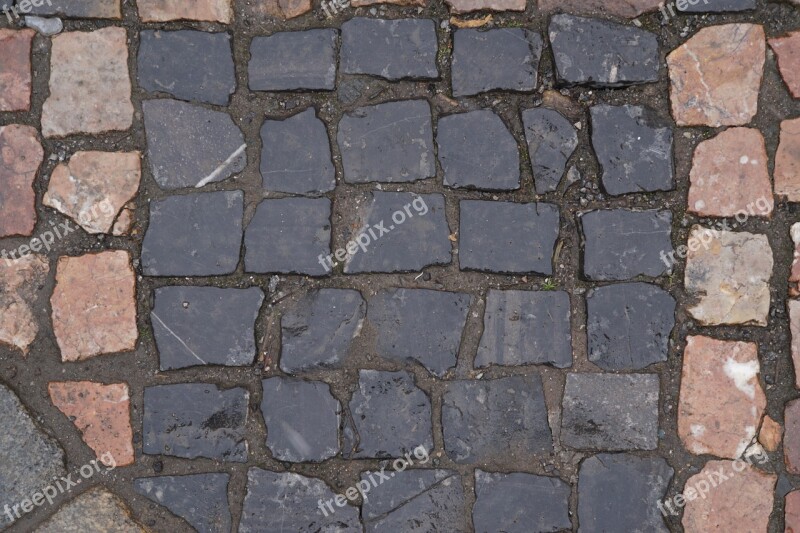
(496,420)
(419,324)
(520,503)
(770,434)
(712,6)
(287,61)
(787,161)
(791,440)
(729,175)
(94,510)
(468,161)
(507,237)
(205,326)
(601,53)
(551,140)
(629,325)
(742,503)
(361,3)
(283,9)
(467,6)
(390,142)
(102,415)
(21,154)
(192,420)
(792,509)
(196,234)
(392,49)
(90,88)
(627,9)
(498,59)
(101,9)
(200,499)
(45,26)
(91,318)
(15,71)
(611,412)
(190,65)
(721,400)
(794,327)
(93,187)
(164,10)
(620,492)
(787,49)
(525,327)
(715,76)
(728,275)
(302,419)
(195,147)
(634,148)
(22,279)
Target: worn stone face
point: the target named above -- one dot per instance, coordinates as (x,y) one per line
(91,318)
(794,327)
(787,161)
(101,9)
(466,6)
(788,51)
(294,60)
(498,59)
(612,412)
(15,71)
(551,141)
(283,9)
(21,154)
(792,516)
(419,324)
(620,492)
(205,326)
(791,441)
(94,510)
(770,434)
(487,421)
(200,499)
(728,274)
(90,88)
(44,26)
(164,10)
(628,9)
(21,281)
(192,420)
(508,237)
(716,74)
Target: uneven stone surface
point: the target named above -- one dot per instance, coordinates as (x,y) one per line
(293,60)
(105,9)
(771,434)
(45,26)
(164,10)
(792,508)
(791,441)
(794,329)
(19,293)
(200,499)
(21,154)
(94,510)
(283,9)
(15,71)
(787,49)
(787,161)
(466,6)
(551,141)
(627,9)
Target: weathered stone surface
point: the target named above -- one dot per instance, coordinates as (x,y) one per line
(90,88)
(792,507)
(289,235)
(525,327)
(124,221)
(196,234)
(710,6)
(721,400)
(742,503)
(101,413)
(551,141)
(93,187)
(613,412)
(794,327)
(302,419)
(601,53)
(164,10)
(392,415)
(283,9)
(195,420)
(45,26)
(728,274)
(21,281)
(390,142)
(627,9)
(770,434)
(200,499)
(196,146)
(417,233)
(469,161)
(620,492)
(498,59)
(634,148)
(419,324)
(787,49)
(287,61)
(31,458)
(520,503)
(495,420)
(507,237)
(94,510)
(188,64)
(787,161)
(21,154)
(392,49)
(101,9)
(15,71)
(715,76)
(791,441)
(290,502)
(466,6)
(729,175)
(91,318)
(318,330)
(205,326)
(623,244)
(628,325)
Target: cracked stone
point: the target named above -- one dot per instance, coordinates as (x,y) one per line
(792,509)
(200,499)
(98,9)
(794,327)
(715,76)
(196,146)
(787,161)
(94,510)
(283,9)
(165,10)
(628,9)
(551,140)
(791,440)
(770,434)
(292,60)
(205,326)
(787,49)
(21,155)
(22,280)
(192,420)
(495,420)
(467,6)
(15,71)
(91,318)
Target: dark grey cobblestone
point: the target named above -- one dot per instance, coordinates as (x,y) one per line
(200,499)
(286,61)
(551,141)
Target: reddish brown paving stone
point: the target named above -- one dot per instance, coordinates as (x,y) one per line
(715,76)
(729,175)
(102,414)
(791,437)
(794,327)
(620,8)
(164,10)
(20,281)
(15,69)
(770,434)
(792,516)
(787,49)
(124,222)
(93,511)
(21,155)
(794,274)
(283,9)
(466,6)
(94,307)
(787,161)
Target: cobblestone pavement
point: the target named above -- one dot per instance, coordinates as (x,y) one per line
(488,265)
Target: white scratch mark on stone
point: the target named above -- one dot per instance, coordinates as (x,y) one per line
(211,177)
